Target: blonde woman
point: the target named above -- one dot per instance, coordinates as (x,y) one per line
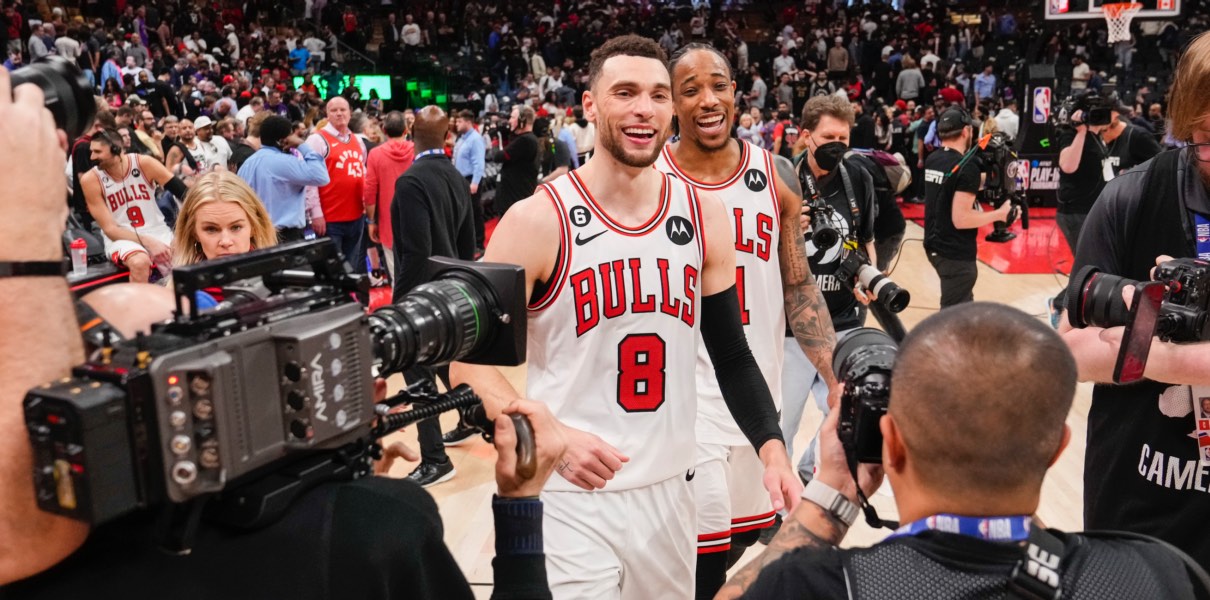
(221,216)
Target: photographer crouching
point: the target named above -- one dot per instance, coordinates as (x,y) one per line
(1145,469)
(965,481)
(952,216)
(366,538)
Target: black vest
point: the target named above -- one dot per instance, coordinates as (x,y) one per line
(1141,470)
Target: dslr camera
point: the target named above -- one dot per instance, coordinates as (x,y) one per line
(855,266)
(863,361)
(1173,307)
(250,403)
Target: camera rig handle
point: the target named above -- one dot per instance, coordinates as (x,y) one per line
(320,256)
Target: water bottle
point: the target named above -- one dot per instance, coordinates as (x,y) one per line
(79,256)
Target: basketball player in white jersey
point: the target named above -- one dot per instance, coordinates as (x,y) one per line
(760,192)
(120,194)
(624,265)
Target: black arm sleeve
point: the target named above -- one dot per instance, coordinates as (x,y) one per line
(177,187)
(744,388)
(519,566)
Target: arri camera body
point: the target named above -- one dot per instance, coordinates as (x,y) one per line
(250,403)
(1173,307)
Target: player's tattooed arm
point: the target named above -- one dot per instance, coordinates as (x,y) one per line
(808,526)
(806,311)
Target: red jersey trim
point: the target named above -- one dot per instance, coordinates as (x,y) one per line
(695,211)
(555,285)
(645,228)
(754,522)
(770,169)
(726,183)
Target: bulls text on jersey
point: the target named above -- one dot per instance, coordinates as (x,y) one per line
(131,193)
(614,288)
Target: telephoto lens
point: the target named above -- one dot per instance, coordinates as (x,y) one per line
(886,291)
(68,94)
(1094,299)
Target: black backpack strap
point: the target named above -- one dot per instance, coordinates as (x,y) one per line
(1039,573)
(1196,572)
(1165,164)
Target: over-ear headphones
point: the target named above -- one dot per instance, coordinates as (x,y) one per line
(112,138)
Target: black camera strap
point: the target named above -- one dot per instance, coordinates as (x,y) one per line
(1038,575)
(812,192)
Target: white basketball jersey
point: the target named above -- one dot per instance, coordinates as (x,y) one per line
(750,196)
(132,199)
(612,340)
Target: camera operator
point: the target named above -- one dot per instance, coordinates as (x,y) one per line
(952,217)
(1083,171)
(965,496)
(849,190)
(1142,471)
(373,537)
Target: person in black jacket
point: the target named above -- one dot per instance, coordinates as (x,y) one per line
(431,216)
(966,449)
(519,175)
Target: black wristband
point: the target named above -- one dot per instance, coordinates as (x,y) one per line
(518,525)
(45,268)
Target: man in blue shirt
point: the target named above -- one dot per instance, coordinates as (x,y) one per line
(469,154)
(299,57)
(985,84)
(280,178)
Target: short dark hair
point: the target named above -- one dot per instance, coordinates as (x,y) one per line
(466,115)
(394,125)
(945,400)
(626,45)
(274,129)
(695,46)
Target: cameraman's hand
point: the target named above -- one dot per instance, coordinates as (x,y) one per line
(549,444)
(34,149)
(833,469)
(1003,212)
(588,461)
(1077,119)
(804,220)
(863,295)
(1159,260)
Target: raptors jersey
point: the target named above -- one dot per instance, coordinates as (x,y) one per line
(612,341)
(132,200)
(750,196)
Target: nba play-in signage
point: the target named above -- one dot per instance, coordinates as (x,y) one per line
(1037,175)
(1041,104)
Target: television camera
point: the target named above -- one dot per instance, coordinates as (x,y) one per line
(241,408)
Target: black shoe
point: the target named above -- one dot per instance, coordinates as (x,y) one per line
(428,474)
(458,435)
(913,200)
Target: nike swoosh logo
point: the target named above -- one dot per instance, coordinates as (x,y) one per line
(580,241)
(689,475)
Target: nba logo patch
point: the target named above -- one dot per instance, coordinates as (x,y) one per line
(1041,104)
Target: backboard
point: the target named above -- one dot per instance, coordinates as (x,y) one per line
(1061,10)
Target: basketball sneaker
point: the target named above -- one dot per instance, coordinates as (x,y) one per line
(429,474)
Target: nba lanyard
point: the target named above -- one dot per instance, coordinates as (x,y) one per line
(996,529)
(431,152)
(1202,235)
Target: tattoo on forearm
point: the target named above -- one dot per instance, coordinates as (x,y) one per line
(794,534)
(806,311)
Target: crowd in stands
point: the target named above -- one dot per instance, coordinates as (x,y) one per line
(184,78)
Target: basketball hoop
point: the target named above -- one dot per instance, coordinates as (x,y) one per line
(1118,15)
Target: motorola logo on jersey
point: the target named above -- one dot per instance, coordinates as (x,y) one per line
(134,172)
(679,230)
(755,180)
(579,216)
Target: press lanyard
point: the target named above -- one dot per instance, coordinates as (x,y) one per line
(431,152)
(995,529)
(1201,233)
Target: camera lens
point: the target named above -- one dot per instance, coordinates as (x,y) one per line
(440,321)
(1095,299)
(885,290)
(861,351)
(824,237)
(66,89)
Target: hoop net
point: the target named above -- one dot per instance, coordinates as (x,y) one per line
(1118,16)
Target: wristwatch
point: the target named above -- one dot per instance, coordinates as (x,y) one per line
(832,501)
